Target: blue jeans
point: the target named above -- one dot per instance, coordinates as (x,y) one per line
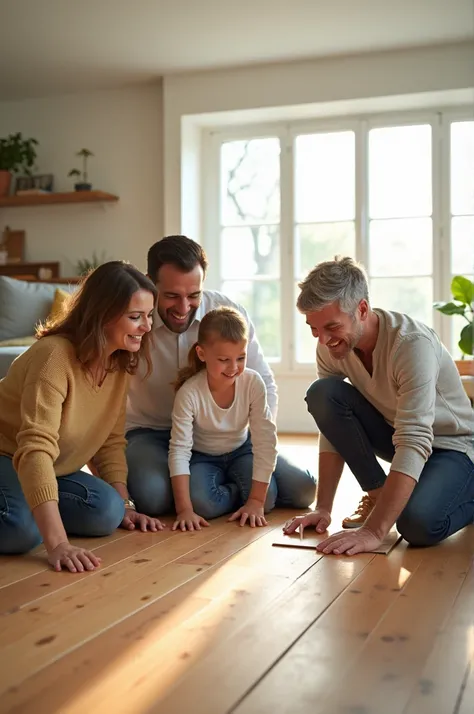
(218,484)
(442,501)
(88,507)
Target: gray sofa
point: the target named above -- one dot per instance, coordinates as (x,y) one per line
(22,305)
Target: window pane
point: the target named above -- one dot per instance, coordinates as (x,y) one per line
(400,171)
(322,241)
(414,296)
(462,244)
(325,177)
(305,342)
(401,247)
(250,181)
(261,299)
(249,251)
(462,167)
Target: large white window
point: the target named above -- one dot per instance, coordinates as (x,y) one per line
(396,193)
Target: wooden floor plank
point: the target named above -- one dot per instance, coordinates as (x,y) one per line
(335,637)
(161,638)
(466,700)
(35,587)
(38,636)
(385,671)
(437,689)
(243,658)
(15,568)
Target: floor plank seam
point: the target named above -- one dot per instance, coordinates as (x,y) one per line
(294,642)
(458,704)
(262,532)
(99,572)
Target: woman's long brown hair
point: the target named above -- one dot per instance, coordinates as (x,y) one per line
(223,323)
(103,297)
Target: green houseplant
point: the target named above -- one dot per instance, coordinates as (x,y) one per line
(85,265)
(462,291)
(17,155)
(83,184)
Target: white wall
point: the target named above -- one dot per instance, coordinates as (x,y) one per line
(278,91)
(382,74)
(124,130)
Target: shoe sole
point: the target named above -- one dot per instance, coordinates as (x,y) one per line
(353,525)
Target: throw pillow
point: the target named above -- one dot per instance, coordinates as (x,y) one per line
(61,297)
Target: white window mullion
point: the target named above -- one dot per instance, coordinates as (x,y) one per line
(211,222)
(362,194)
(287,255)
(441,222)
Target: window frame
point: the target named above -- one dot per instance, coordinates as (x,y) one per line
(439,119)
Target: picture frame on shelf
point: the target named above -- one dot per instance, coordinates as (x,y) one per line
(43,183)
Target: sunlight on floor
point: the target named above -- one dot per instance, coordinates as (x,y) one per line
(147,668)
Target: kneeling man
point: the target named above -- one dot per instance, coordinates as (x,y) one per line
(387,388)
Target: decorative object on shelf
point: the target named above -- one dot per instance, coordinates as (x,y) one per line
(17,155)
(34,185)
(46,270)
(85,265)
(14,244)
(462,290)
(82,185)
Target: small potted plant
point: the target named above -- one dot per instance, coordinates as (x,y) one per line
(462,290)
(85,265)
(83,184)
(17,155)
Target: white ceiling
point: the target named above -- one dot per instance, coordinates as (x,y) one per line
(55,46)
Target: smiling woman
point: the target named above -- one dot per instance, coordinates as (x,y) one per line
(62,405)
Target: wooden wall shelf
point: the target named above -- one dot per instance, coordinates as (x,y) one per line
(48,199)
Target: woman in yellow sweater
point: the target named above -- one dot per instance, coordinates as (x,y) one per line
(62,405)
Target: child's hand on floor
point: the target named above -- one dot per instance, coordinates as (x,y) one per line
(188,520)
(252,512)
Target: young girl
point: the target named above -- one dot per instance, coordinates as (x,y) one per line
(215,468)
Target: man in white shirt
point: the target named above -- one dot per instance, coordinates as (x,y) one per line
(177,265)
(404,402)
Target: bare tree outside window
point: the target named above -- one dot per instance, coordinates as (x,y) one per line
(250,234)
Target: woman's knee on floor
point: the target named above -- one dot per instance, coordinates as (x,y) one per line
(18,532)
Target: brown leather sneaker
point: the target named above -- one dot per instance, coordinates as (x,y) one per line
(360,515)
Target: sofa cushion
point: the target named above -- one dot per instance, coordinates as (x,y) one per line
(19,342)
(7,355)
(24,304)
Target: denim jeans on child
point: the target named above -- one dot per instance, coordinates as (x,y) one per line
(219,484)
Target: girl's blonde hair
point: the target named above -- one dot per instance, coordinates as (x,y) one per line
(223,323)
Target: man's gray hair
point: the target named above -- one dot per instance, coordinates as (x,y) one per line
(340,280)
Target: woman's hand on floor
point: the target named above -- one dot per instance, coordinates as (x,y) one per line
(252,512)
(74,559)
(188,520)
(133,520)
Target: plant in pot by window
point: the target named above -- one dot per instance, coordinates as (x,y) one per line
(17,155)
(462,290)
(83,184)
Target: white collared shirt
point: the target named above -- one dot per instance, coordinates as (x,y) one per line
(150,400)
